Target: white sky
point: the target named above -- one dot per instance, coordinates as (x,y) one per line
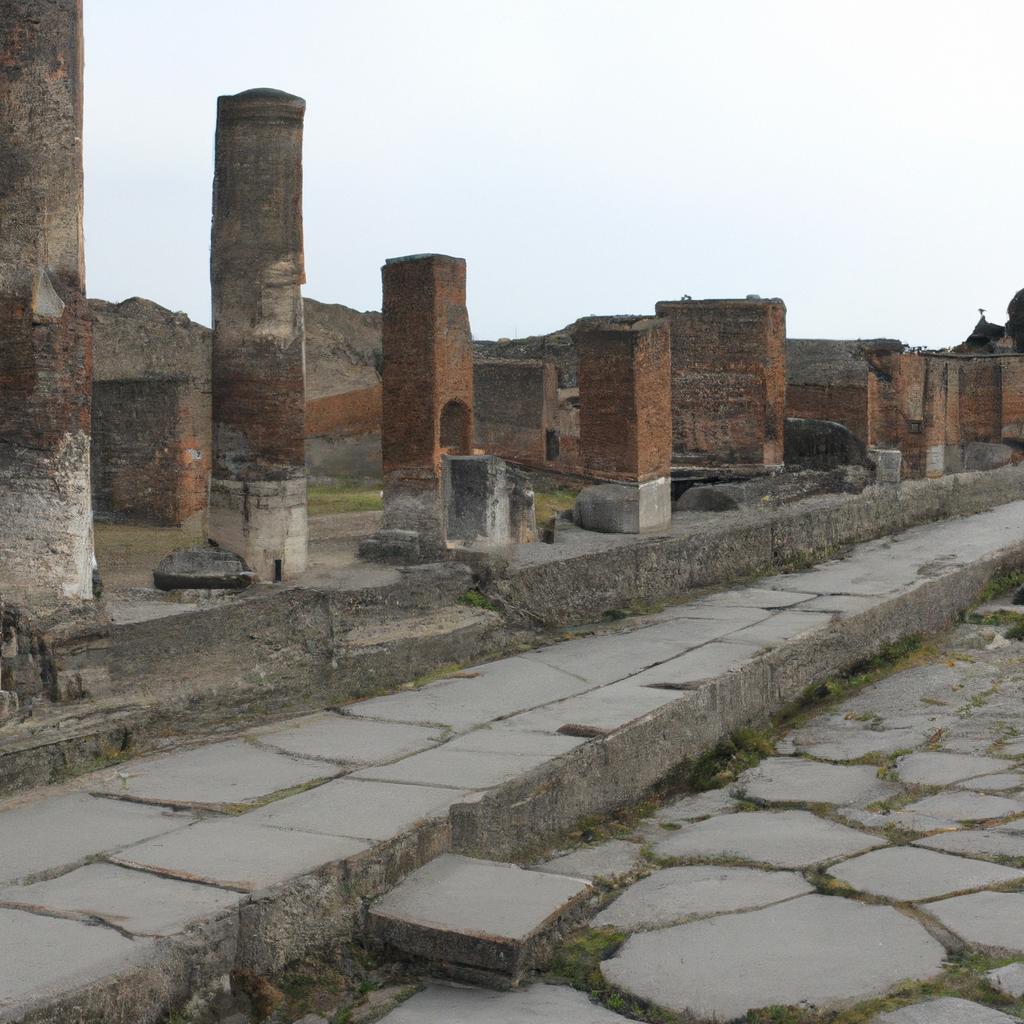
(862,160)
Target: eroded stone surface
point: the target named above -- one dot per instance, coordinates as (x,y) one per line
(962,806)
(992,920)
(1009,980)
(701,805)
(978,841)
(725,966)
(929,768)
(1002,782)
(678,894)
(945,1011)
(796,780)
(608,860)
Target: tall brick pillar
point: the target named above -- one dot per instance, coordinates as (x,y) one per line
(45,341)
(428,392)
(728,381)
(625,380)
(258,485)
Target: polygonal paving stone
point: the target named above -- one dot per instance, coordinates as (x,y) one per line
(999,783)
(909,821)
(236,854)
(221,773)
(835,743)
(931,768)
(1009,980)
(993,920)
(756,597)
(786,839)
(700,805)
(675,895)
(75,827)
(138,903)
(945,1011)
(988,842)
(814,949)
(782,627)
(964,806)
(694,667)
(608,860)
(538,1004)
(781,780)
(907,873)
(476,913)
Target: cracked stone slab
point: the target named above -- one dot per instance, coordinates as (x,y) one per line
(963,806)
(44,956)
(502,738)
(852,741)
(780,780)
(76,827)
(785,839)
(234,772)
(931,768)
(814,949)
(700,805)
(758,597)
(693,667)
(608,860)
(979,841)
(1009,980)
(781,627)
(358,809)
(945,1011)
(342,740)
(235,854)
(1001,782)
(476,913)
(908,873)
(675,895)
(992,920)
(737,616)
(911,821)
(537,1004)
(136,902)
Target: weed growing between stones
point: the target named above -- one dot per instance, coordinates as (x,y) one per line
(729,759)
(474,599)
(1000,585)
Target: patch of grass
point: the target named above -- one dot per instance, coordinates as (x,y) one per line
(109,754)
(343,496)
(616,614)
(729,759)
(1000,584)
(547,504)
(1016,631)
(474,599)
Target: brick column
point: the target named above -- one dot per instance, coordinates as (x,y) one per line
(258,485)
(45,341)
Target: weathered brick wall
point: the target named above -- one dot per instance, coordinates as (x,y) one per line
(843,403)
(625,383)
(981,399)
(1012,373)
(148,464)
(728,380)
(514,407)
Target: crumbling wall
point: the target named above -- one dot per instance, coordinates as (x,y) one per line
(514,407)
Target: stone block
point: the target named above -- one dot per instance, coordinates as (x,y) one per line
(206,568)
(888,465)
(487,502)
(624,507)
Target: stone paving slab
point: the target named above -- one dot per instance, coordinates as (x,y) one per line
(694,632)
(337,738)
(700,805)
(358,809)
(962,806)
(605,659)
(44,956)
(978,841)
(907,873)
(65,830)
(992,920)
(458,769)
(945,1011)
(780,780)
(502,738)
(497,689)
(722,967)
(234,772)
(928,768)
(738,615)
(695,666)
(1009,980)
(785,839)
(1002,782)
(910,821)
(134,901)
(787,625)
(538,1004)
(829,742)
(675,895)
(760,597)
(235,854)
(607,860)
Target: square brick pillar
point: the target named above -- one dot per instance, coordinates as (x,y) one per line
(625,380)
(728,381)
(427,397)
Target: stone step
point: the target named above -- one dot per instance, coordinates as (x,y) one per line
(478,920)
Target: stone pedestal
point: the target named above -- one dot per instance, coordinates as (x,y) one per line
(487,502)
(625,508)
(888,465)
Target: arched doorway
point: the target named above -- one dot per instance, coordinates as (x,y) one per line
(455,428)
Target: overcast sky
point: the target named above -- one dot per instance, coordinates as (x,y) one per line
(862,160)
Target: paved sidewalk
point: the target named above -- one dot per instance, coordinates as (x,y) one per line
(98,876)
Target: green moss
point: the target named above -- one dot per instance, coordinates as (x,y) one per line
(1000,584)
(1016,631)
(547,504)
(474,599)
(729,759)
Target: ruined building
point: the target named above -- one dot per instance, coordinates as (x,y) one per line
(45,346)
(258,484)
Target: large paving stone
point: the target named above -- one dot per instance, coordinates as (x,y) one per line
(700,805)
(815,949)
(237,854)
(358,809)
(495,690)
(910,821)
(343,740)
(139,903)
(675,895)
(945,1011)
(58,832)
(502,738)
(907,873)
(475,913)
(44,956)
(607,860)
(538,1004)
(931,768)
(963,806)
(786,839)
(734,616)
(758,597)
(994,920)
(221,773)
(850,741)
(782,780)
(1001,782)
(784,626)
(1009,980)
(693,667)
(986,842)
